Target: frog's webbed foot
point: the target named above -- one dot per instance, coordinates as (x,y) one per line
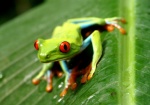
(72,80)
(111,23)
(85,73)
(58,73)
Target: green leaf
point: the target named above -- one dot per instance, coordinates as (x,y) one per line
(122,75)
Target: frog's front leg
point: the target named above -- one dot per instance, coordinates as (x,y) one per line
(113,22)
(108,23)
(70,77)
(67,75)
(97,52)
(45,70)
(48,78)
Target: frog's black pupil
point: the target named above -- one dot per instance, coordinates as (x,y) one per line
(65,47)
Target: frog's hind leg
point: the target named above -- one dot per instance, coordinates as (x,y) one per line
(73,76)
(113,22)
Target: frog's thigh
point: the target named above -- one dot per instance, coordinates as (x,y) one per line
(97,50)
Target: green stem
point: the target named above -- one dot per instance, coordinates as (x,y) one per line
(127,55)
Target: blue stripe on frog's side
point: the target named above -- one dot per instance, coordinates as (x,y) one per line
(83,23)
(86,42)
(64,66)
(80,21)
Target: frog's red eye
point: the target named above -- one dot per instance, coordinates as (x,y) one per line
(64,47)
(36,45)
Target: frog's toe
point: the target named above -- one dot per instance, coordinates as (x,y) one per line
(49,88)
(109,27)
(90,76)
(85,73)
(123,21)
(73,86)
(114,22)
(59,73)
(84,79)
(123,31)
(64,92)
(35,81)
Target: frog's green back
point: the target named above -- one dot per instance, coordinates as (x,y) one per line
(69,31)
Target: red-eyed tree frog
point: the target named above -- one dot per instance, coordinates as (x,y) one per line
(67,41)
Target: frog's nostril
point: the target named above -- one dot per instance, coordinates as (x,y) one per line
(47,56)
(44,56)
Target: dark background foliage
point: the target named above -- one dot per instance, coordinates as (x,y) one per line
(12,8)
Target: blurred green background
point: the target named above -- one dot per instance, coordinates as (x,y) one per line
(12,8)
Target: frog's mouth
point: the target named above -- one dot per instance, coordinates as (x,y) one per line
(47,58)
(44,61)
(53,60)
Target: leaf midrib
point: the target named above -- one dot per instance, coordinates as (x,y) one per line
(127,55)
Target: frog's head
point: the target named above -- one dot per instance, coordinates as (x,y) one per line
(55,49)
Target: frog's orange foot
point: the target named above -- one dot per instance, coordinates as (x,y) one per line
(123,21)
(109,27)
(84,78)
(49,78)
(64,92)
(111,23)
(35,81)
(90,76)
(59,73)
(49,88)
(85,73)
(72,79)
(123,31)
(74,86)
(72,83)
